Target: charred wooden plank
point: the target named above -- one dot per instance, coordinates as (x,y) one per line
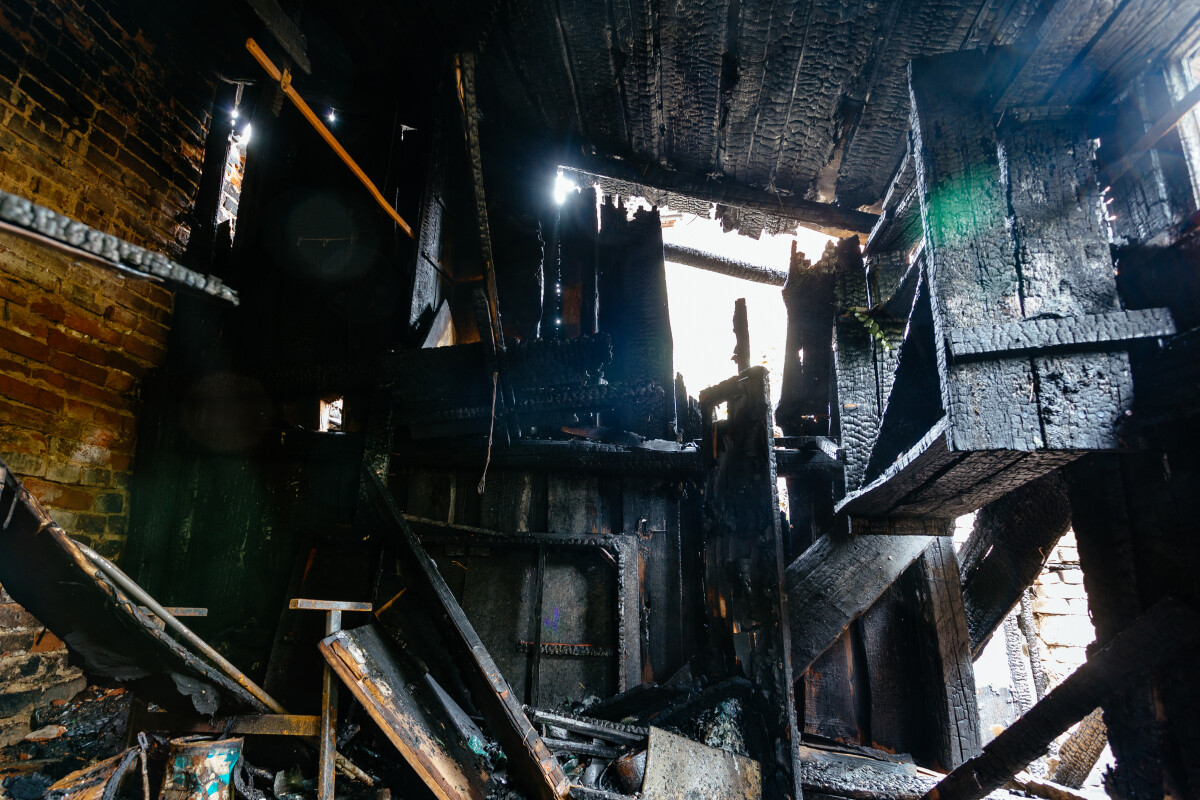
(741,335)
(930,480)
(596,728)
(361,659)
(1154,638)
(1059,333)
(824,217)
(1011,540)
(744,549)
(837,579)
(532,763)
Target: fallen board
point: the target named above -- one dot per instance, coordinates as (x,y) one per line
(431,746)
(45,571)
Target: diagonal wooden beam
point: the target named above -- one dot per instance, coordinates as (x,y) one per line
(836,580)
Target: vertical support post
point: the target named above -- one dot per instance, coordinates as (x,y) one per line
(971,256)
(804,396)
(949,675)
(741,333)
(333,624)
(327,739)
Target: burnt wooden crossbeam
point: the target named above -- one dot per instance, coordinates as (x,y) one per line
(690,257)
(1154,638)
(1058,333)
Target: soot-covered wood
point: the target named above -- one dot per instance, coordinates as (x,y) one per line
(837,579)
(633,311)
(1008,545)
(809,298)
(1156,637)
(744,554)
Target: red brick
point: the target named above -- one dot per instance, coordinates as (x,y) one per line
(21,320)
(122,317)
(62,342)
(161,296)
(142,349)
(80,369)
(56,495)
(24,415)
(10,367)
(119,381)
(13,291)
(26,346)
(24,392)
(49,309)
(21,439)
(50,376)
(104,396)
(87,324)
(119,360)
(153,330)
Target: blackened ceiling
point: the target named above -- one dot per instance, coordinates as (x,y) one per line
(806,99)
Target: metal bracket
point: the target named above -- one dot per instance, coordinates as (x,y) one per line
(1062,333)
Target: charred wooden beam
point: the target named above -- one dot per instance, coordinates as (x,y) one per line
(822,216)
(532,763)
(284,30)
(1155,638)
(690,257)
(836,580)
(1011,540)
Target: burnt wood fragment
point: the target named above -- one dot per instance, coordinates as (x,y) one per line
(391,692)
(690,257)
(1154,638)
(932,480)
(634,313)
(741,335)
(1059,333)
(1008,546)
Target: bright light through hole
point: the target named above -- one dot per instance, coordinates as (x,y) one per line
(562,187)
(244,139)
(331,116)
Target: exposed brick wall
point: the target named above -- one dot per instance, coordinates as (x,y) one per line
(104,122)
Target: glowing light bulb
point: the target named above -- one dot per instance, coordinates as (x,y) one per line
(562,187)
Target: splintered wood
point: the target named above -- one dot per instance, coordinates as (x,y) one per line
(431,747)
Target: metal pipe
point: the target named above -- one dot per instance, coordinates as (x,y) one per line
(285,83)
(136,592)
(127,585)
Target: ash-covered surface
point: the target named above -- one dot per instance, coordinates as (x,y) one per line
(65,736)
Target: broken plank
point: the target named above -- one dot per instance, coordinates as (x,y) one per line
(533,765)
(836,580)
(1154,638)
(361,659)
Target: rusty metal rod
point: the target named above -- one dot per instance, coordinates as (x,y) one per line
(315,121)
(140,595)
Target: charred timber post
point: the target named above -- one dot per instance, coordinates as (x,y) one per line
(807,365)
(690,257)
(741,333)
(1153,639)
